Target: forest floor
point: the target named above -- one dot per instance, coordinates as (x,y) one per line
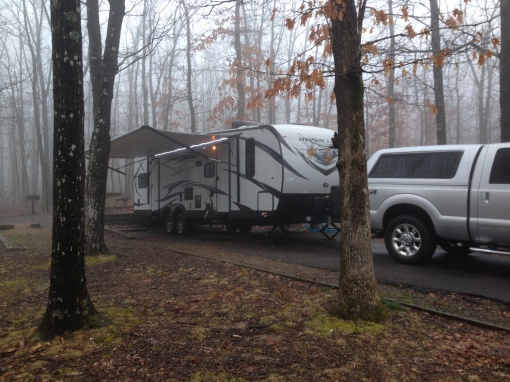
(193,315)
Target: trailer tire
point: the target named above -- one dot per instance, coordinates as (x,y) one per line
(182,225)
(170,223)
(245,228)
(231,228)
(409,240)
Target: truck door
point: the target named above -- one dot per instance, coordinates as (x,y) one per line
(491,196)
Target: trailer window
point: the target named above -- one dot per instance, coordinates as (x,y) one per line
(209,170)
(500,173)
(250,158)
(430,165)
(188,193)
(143,180)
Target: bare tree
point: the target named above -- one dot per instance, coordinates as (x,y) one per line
(504,76)
(391,79)
(438,73)
(240,77)
(103,69)
(189,86)
(69,306)
(40,93)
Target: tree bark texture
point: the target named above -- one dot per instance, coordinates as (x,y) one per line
(189,82)
(438,74)
(103,69)
(504,76)
(358,296)
(240,77)
(391,81)
(69,306)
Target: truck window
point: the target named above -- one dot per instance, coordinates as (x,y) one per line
(143,180)
(428,165)
(250,158)
(500,172)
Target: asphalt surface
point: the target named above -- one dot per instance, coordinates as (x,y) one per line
(477,274)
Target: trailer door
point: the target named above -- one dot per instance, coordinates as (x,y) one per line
(226,176)
(142,186)
(154,188)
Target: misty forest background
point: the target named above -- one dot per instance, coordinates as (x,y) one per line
(183,64)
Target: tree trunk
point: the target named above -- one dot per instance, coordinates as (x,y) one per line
(145,90)
(391,80)
(18,110)
(504,76)
(189,72)
(238,64)
(69,306)
(358,297)
(482,121)
(40,97)
(438,74)
(102,72)
(458,111)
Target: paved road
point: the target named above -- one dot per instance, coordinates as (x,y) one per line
(477,274)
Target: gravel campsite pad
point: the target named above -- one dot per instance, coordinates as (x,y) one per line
(192,315)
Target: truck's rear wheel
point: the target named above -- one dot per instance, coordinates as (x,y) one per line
(409,241)
(170,223)
(182,225)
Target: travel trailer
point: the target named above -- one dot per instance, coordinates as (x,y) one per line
(270,175)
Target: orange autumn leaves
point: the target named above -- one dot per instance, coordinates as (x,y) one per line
(306,72)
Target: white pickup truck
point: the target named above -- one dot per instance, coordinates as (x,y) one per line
(454,196)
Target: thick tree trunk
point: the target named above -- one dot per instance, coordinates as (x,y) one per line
(358,296)
(103,70)
(69,306)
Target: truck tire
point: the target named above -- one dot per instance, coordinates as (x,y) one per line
(454,248)
(170,223)
(182,225)
(409,240)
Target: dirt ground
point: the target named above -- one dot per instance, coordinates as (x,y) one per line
(185,313)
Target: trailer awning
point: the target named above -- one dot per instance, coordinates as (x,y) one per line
(147,142)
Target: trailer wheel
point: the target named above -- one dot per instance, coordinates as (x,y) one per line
(170,223)
(454,248)
(231,228)
(245,228)
(182,225)
(409,241)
